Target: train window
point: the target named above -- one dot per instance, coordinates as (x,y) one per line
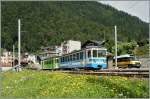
(54,59)
(101,53)
(67,58)
(94,53)
(77,56)
(124,59)
(70,57)
(48,62)
(74,56)
(63,59)
(57,60)
(84,54)
(89,53)
(81,55)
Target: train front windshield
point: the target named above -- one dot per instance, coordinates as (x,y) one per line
(98,58)
(99,53)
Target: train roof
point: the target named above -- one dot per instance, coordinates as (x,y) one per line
(126,55)
(103,48)
(47,57)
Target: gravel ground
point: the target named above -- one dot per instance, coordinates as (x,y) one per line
(145,62)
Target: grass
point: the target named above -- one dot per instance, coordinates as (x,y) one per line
(44,84)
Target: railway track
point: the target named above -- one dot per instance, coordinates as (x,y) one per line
(140,73)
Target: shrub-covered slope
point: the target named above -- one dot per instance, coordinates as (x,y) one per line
(50,23)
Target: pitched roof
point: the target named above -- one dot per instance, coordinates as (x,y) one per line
(93,43)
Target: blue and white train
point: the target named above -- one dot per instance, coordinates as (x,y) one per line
(89,58)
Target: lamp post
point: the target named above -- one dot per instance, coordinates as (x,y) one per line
(19,44)
(115,46)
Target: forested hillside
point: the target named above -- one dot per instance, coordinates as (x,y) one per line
(50,23)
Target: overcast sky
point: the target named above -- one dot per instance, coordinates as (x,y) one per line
(135,8)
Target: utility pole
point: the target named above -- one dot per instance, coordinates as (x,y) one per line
(149,31)
(19,43)
(13,55)
(149,40)
(115,46)
(0,44)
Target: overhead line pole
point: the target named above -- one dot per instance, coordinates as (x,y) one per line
(149,42)
(0,42)
(13,55)
(149,30)
(115,46)
(19,43)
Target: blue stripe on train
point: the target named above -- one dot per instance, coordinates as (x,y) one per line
(77,64)
(103,66)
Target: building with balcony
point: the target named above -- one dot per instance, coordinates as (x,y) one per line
(70,46)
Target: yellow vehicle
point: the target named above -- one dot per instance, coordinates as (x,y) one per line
(127,61)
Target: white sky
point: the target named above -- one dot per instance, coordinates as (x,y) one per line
(135,8)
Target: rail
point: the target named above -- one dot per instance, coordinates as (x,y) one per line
(143,73)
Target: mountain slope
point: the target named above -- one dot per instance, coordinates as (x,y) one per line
(49,23)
